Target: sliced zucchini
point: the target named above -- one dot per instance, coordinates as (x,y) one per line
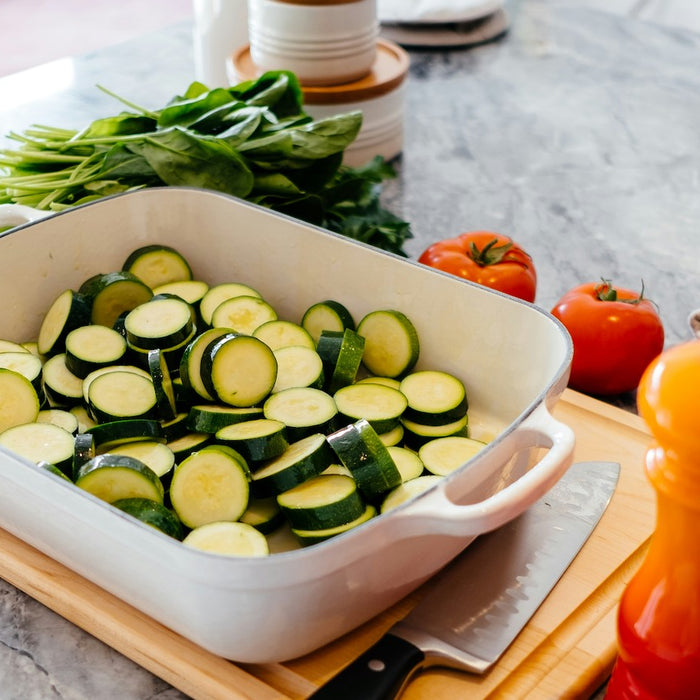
(417,434)
(154,454)
(162,322)
(337,469)
(62,387)
(209,486)
(192,291)
(281,334)
(386,381)
(326,315)
(220,293)
(162,385)
(229,539)
(64,419)
(121,395)
(212,418)
(111,294)
(342,356)
(322,502)
(443,455)
(191,362)
(238,370)
(11,346)
(175,428)
(158,264)
(173,355)
(408,490)
(53,470)
(92,347)
(391,343)
(33,347)
(302,409)
(359,448)
(85,421)
(243,314)
(19,402)
(118,432)
(83,451)
(309,537)
(393,436)
(110,368)
(298,366)
(434,397)
(69,311)
(257,440)
(188,444)
(152,513)
(300,461)
(113,477)
(41,442)
(263,514)
(382,406)
(407,461)
(26,364)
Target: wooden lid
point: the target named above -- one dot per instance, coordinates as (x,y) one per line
(387,73)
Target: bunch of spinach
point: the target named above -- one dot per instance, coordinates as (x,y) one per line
(253,140)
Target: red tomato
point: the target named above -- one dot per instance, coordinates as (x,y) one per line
(616,334)
(490,259)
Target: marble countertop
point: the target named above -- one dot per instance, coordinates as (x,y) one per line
(577,134)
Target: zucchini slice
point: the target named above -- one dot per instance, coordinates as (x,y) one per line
(41,442)
(382,406)
(175,428)
(386,381)
(64,419)
(302,409)
(443,455)
(229,539)
(158,264)
(298,366)
(69,311)
(408,490)
(152,513)
(409,464)
(210,419)
(300,461)
(121,395)
(391,343)
(26,364)
(11,346)
(92,347)
(434,397)
(281,334)
(85,421)
(156,455)
(162,322)
(109,368)
(309,537)
(191,291)
(113,477)
(239,370)
(359,448)
(327,315)
(243,314)
(263,514)
(191,361)
(111,294)
(342,356)
(188,444)
(257,440)
(62,387)
(416,434)
(83,451)
(129,430)
(324,501)
(19,402)
(162,385)
(210,486)
(220,293)
(393,437)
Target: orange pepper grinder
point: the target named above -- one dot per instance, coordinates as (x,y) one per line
(659,614)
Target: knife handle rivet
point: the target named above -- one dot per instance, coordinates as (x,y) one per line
(376,665)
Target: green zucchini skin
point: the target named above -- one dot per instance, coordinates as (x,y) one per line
(110,294)
(309,537)
(152,513)
(328,315)
(257,440)
(156,264)
(203,418)
(120,431)
(68,311)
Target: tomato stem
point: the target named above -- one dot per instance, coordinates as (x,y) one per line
(606,292)
(490,254)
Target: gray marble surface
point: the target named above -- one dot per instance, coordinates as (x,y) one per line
(577,134)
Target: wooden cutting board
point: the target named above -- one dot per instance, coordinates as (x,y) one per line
(566,651)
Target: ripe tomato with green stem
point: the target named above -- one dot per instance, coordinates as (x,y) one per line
(616,334)
(490,259)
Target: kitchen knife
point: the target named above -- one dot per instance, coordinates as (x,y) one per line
(478,604)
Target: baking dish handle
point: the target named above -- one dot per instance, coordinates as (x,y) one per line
(435,512)
(12,215)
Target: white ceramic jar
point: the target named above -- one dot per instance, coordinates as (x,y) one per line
(324,42)
(380,96)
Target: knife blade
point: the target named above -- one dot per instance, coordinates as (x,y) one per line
(476,606)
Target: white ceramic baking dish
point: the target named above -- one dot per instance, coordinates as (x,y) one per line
(513,357)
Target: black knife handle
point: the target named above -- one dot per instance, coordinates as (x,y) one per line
(378,674)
